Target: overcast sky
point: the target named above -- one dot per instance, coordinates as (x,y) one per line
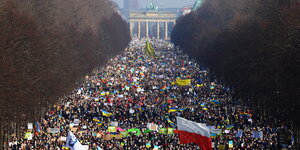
(162,3)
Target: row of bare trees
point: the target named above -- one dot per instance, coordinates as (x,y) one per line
(254,46)
(46,48)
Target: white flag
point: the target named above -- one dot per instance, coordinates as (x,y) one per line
(73,143)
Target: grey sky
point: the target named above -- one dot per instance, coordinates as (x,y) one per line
(162,3)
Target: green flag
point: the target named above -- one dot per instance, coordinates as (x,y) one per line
(149,50)
(135,130)
(147,131)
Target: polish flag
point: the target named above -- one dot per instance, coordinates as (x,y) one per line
(193,132)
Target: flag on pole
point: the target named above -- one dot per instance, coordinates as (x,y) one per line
(149,50)
(193,132)
(37,128)
(73,143)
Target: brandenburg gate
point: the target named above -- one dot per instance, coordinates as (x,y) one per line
(148,20)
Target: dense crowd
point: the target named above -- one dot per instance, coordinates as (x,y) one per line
(134,90)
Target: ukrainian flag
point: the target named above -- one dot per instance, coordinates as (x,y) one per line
(204,108)
(199,85)
(229,127)
(182,109)
(182,82)
(215,102)
(106,114)
(96,119)
(100,123)
(170,122)
(173,109)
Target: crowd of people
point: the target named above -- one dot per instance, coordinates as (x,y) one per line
(136,91)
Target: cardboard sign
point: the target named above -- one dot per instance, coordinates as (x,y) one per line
(110,137)
(152,126)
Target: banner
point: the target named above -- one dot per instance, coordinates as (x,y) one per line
(182,82)
(111,137)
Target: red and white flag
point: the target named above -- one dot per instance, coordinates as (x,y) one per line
(193,132)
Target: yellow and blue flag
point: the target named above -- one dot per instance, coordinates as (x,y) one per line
(106,114)
(170,122)
(172,109)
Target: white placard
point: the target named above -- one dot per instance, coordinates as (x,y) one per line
(131,111)
(30,126)
(63,138)
(226,131)
(76,122)
(85,147)
(54,130)
(114,123)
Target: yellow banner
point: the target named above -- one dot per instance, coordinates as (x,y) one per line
(182,82)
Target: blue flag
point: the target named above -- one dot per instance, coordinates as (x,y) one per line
(257,134)
(239,133)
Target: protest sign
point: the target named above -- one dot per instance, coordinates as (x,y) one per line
(30,126)
(54,130)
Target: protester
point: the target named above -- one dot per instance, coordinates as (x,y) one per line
(135,90)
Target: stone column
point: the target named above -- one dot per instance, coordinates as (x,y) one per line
(131,28)
(147,29)
(157,31)
(166,30)
(139,29)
